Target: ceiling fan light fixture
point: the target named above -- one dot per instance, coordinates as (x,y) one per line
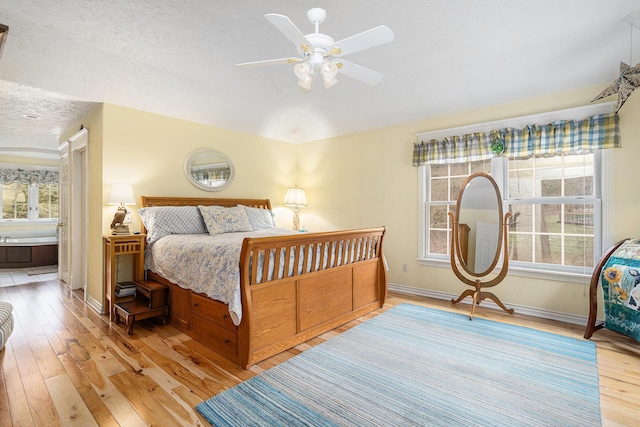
(329,70)
(302,70)
(329,81)
(306,82)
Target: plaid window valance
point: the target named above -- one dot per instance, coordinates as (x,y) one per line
(566,136)
(9,176)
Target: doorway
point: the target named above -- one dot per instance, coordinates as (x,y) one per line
(74,203)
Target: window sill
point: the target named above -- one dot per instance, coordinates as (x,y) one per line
(535,273)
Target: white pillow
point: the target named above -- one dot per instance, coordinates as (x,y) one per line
(225,220)
(161,221)
(259,218)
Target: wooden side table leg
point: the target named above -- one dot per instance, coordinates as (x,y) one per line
(130,321)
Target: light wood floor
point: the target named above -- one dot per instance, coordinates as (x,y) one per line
(66,365)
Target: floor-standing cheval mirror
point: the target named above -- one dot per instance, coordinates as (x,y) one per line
(478,237)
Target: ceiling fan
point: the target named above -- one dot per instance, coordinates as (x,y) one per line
(320,55)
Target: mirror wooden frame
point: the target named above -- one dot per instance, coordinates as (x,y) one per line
(457,253)
(200,185)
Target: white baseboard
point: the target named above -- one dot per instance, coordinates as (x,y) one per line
(530,311)
(95,305)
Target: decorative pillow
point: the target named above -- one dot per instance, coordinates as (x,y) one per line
(161,221)
(225,220)
(259,218)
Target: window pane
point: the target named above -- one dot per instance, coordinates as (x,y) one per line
(456,183)
(481,166)
(548,218)
(439,170)
(521,184)
(15,201)
(548,249)
(551,187)
(438,217)
(582,186)
(518,163)
(578,219)
(438,240)
(520,248)
(439,190)
(48,201)
(578,251)
(521,218)
(458,169)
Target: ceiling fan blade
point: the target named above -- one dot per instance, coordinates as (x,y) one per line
(270,62)
(289,29)
(359,72)
(370,38)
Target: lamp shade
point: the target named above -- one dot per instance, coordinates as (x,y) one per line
(295,197)
(121,194)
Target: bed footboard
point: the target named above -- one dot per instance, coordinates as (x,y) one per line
(304,285)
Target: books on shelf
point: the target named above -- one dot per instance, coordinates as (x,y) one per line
(125,289)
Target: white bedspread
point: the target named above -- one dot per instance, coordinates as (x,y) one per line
(206,264)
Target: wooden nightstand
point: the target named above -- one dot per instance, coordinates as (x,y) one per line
(151,300)
(114,246)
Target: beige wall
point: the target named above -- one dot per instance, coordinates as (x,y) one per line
(359,180)
(148,151)
(366,179)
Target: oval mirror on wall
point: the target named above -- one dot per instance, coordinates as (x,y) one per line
(479,213)
(209,169)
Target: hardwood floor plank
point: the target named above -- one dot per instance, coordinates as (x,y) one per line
(121,409)
(41,405)
(69,403)
(158,375)
(5,412)
(18,404)
(90,397)
(189,374)
(154,405)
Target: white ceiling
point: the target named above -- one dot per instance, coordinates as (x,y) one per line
(177,58)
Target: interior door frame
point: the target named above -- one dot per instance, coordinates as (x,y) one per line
(78,209)
(63,213)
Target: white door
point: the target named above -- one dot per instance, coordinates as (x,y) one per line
(486,245)
(63,214)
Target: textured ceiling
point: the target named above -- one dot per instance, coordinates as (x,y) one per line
(177,58)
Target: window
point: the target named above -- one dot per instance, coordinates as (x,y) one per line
(443,184)
(555,210)
(553,178)
(555,203)
(29,201)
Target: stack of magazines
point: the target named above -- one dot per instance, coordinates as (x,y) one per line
(124,289)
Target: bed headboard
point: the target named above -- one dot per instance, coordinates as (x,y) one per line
(148,201)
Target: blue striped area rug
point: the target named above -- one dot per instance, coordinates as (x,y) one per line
(417,366)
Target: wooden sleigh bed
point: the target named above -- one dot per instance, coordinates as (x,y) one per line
(279,312)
